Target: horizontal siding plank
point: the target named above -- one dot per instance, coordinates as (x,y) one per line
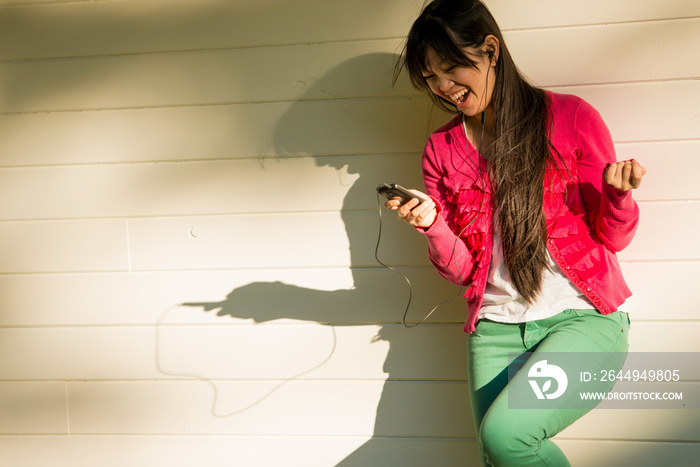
(255,353)
(179,408)
(88,28)
(623,52)
(406,409)
(35,3)
(315,352)
(512,14)
(596,453)
(63,246)
(664,337)
(661,159)
(632,119)
(372,295)
(225,451)
(301,451)
(65,353)
(332,127)
(658,223)
(212,187)
(317,71)
(204,187)
(650,283)
(636,424)
(148,26)
(301,408)
(252,241)
(336,70)
(200,188)
(355,126)
(33,408)
(235,352)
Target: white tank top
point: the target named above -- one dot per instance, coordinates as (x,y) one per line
(503,303)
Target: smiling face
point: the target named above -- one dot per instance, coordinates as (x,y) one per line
(468,88)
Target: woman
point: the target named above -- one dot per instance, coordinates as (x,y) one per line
(528,207)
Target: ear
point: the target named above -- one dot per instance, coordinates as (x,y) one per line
(491,47)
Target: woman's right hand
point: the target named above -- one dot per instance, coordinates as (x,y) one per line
(414,212)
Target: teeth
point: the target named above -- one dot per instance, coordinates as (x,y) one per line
(456,96)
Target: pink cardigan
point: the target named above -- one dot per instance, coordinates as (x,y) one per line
(587,220)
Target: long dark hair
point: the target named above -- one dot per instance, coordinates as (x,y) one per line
(520,149)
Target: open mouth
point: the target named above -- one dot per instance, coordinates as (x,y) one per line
(459,97)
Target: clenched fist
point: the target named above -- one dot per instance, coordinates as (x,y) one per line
(625,175)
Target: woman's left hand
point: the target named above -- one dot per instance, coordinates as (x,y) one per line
(625,175)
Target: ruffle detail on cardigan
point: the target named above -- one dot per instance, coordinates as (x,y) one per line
(472,200)
(472,220)
(574,243)
(557,190)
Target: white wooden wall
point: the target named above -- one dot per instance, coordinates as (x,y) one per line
(188,222)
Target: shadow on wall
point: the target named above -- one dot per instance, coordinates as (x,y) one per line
(297,132)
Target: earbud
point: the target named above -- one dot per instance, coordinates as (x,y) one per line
(491,55)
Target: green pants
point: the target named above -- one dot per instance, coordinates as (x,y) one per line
(519,437)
